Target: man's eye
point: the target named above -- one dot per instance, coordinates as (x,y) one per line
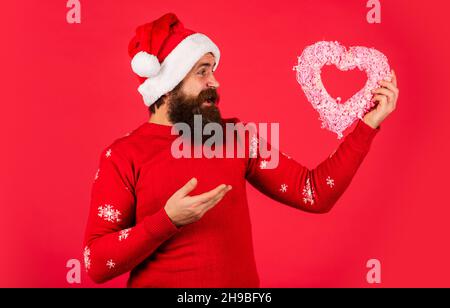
(202,72)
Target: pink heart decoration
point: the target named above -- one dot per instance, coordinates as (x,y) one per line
(337,117)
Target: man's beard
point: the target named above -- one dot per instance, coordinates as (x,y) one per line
(183,109)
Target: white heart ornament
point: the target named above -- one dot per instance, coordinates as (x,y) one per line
(335,116)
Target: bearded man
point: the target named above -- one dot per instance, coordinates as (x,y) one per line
(184,222)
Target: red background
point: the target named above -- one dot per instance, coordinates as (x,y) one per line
(68,92)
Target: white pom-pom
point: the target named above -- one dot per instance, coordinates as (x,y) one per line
(145,64)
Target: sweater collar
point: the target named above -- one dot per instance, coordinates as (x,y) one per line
(156,129)
(149,128)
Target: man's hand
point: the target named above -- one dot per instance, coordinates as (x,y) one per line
(386,97)
(183,209)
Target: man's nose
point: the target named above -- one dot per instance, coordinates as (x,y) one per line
(213,83)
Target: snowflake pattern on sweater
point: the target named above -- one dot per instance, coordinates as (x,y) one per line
(308,193)
(109,213)
(87,259)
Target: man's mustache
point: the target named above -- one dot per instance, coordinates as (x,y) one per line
(209,95)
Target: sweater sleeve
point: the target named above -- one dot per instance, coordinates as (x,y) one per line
(315,190)
(113,243)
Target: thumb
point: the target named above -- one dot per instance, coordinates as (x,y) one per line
(187,188)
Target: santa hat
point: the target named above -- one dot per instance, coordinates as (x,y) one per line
(163,52)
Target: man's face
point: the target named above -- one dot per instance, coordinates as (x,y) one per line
(196,96)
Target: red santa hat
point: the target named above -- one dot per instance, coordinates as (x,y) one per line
(163,52)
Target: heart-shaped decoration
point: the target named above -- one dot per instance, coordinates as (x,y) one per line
(335,116)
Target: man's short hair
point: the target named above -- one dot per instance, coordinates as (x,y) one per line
(160,101)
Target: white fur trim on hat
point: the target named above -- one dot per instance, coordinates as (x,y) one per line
(145,64)
(177,65)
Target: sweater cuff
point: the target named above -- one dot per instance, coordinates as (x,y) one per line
(362,135)
(160,226)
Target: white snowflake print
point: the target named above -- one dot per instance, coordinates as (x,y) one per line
(288,157)
(108,153)
(110,264)
(108,213)
(96,175)
(330,181)
(263,164)
(87,259)
(332,153)
(253,147)
(124,234)
(308,193)
(283,188)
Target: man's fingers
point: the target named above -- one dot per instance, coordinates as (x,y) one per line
(213,201)
(187,188)
(394,78)
(385,92)
(389,85)
(382,99)
(207,195)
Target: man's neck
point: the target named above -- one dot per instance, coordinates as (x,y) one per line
(159,119)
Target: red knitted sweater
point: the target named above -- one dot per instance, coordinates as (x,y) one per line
(129,230)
